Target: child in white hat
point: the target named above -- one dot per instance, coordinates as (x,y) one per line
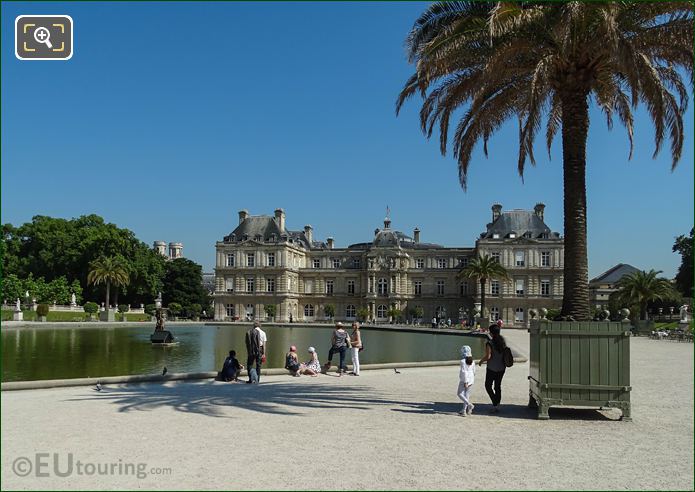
(466,380)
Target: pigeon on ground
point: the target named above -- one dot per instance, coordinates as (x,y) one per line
(164,371)
(396,371)
(97,387)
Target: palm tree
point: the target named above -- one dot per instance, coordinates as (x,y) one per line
(482,268)
(526,60)
(641,287)
(108,270)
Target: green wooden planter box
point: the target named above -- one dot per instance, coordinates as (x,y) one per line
(583,364)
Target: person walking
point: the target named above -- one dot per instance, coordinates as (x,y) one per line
(494,357)
(466,380)
(356,346)
(255,349)
(340,342)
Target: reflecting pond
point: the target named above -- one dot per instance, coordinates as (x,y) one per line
(57,353)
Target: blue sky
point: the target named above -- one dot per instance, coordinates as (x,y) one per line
(171,117)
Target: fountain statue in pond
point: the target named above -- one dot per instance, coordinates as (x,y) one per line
(160,335)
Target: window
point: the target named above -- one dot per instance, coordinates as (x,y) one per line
(230,310)
(350,311)
(440,312)
(519,315)
(495,256)
(495,288)
(512,235)
(381,311)
(308,285)
(270,285)
(519,256)
(383,287)
(545,288)
(519,287)
(495,236)
(229,281)
(230,259)
(420,263)
(309,310)
(250,259)
(355,263)
(545,258)
(418,287)
(329,287)
(249,310)
(463,288)
(317,263)
(351,286)
(336,263)
(441,263)
(271,259)
(494,313)
(440,287)
(250,284)
(463,262)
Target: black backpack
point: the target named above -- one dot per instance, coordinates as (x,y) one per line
(507,357)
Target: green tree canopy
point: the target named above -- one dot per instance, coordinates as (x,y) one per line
(684,277)
(108,270)
(639,288)
(183,284)
(482,268)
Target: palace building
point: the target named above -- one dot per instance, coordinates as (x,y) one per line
(262,262)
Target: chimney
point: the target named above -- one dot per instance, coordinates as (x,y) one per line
(539,209)
(280,219)
(330,242)
(416,235)
(308,234)
(243,215)
(496,211)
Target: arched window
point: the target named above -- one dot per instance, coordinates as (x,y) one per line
(381,311)
(494,313)
(350,311)
(440,312)
(309,310)
(249,311)
(383,286)
(519,315)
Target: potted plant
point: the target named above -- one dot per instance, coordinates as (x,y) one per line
(270,310)
(122,309)
(91,309)
(42,312)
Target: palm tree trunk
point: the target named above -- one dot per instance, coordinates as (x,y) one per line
(108,294)
(643,310)
(482,296)
(575,126)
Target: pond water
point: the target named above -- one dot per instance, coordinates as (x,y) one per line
(61,353)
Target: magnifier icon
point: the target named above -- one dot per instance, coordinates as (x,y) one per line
(43,35)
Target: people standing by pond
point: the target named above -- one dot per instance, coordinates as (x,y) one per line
(466,380)
(340,342)
(356,346)
(494,357)
(256,340)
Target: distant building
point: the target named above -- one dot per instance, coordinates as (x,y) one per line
(601,287)
(175,249)
(262,262)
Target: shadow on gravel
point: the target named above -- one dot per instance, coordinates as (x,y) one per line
(213,399)
(510,411)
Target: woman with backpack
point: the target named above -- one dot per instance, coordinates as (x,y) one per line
(498,358)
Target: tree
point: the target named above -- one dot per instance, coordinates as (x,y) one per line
(90,307)
(183,284)
(362,314)
(270,310)
(482,268)
(641,287)
(394,313)
(108,270)
(684,277)
(329,310)
(526,60)
(174,308)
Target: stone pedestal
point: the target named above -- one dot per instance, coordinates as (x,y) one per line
(107,315)
(18,316)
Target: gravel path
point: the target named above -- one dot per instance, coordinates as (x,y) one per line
(379,431)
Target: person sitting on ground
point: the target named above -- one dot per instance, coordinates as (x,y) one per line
(292,362)
(231,368)
(313,367)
